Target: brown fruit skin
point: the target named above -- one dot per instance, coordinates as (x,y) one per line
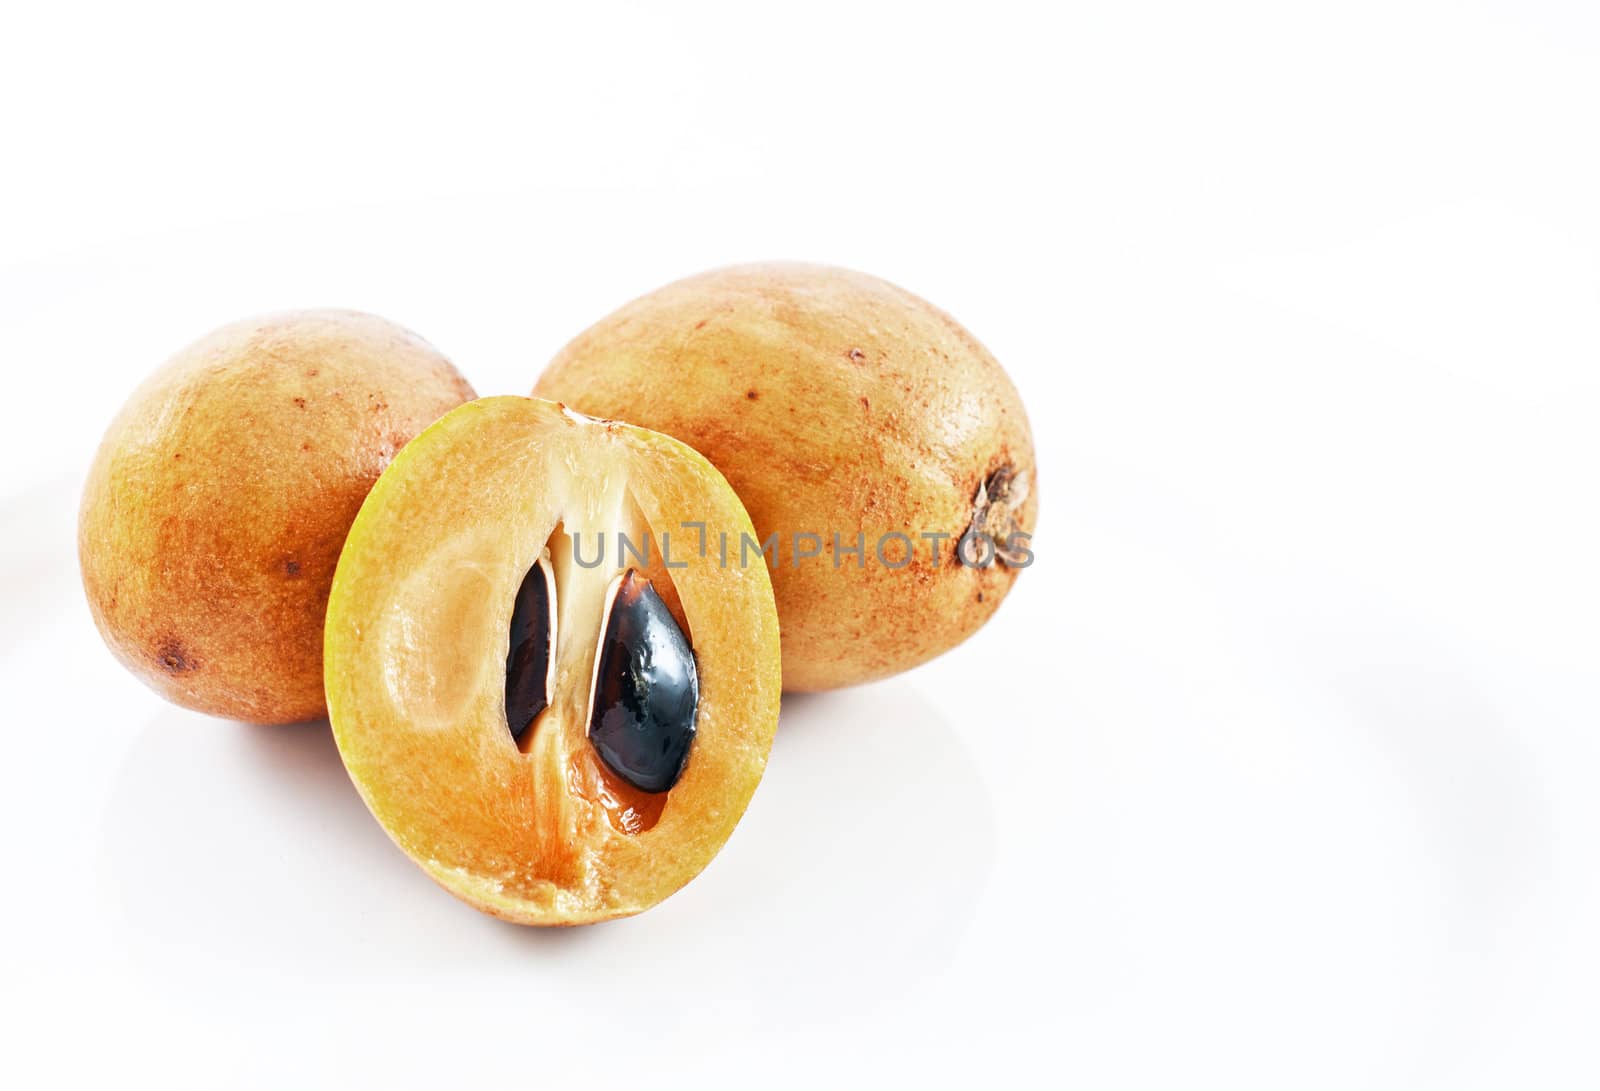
(832,401)
(218,502)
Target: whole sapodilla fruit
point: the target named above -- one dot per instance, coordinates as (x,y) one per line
(219,500)
(884,446)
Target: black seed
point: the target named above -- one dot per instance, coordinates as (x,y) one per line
(528,662)
(646,690)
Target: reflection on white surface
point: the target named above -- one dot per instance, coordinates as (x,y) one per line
(868,845)
(39,559)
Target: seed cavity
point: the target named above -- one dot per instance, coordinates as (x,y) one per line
(530,662)
(646,691)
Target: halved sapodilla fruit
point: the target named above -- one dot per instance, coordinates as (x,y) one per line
(556,698)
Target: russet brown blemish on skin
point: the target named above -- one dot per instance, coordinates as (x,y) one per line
(752,394)
(173,658)
(299,403)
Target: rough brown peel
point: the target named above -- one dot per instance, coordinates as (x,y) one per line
(874,412)
(217,504)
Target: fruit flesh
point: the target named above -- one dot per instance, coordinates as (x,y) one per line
(217,504)
(835,403)
(417,640)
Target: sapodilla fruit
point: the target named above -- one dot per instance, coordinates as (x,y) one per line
(882,445)
(218,502)
(555,702)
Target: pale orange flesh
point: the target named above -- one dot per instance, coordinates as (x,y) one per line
(417,635)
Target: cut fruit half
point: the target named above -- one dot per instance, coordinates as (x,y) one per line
(547,689)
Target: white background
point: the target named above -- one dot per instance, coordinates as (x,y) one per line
(1279,769)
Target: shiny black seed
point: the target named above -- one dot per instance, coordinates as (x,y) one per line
(646,690)
(528,662)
